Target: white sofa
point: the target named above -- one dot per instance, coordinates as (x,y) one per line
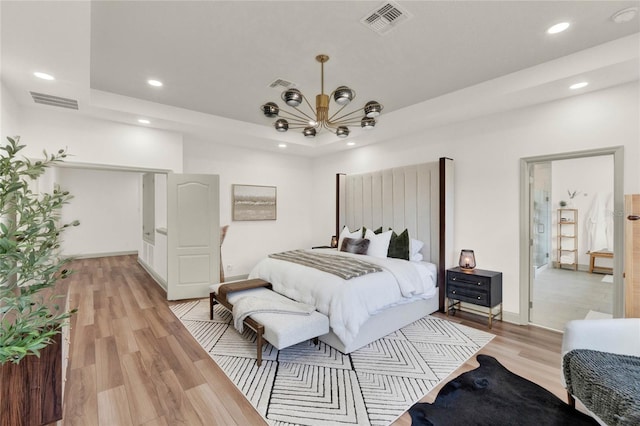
(617,336)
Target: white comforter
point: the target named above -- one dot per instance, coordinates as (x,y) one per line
(350,303)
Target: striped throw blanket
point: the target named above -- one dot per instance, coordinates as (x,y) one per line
(344,267)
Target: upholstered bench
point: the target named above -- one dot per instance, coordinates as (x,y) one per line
(601,368)
(280,329)
(607,384)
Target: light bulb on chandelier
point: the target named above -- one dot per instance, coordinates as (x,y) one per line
(315,119)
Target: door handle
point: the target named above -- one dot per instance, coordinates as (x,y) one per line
(633,217)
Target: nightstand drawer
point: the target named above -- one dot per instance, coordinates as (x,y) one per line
(469,280)
(466,293)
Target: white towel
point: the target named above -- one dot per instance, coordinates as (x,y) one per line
(249,305)
(596,225)
(610,214)
(567,258)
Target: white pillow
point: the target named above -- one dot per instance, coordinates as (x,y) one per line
(416,257)
(414,248)
(379,243)
(345,233)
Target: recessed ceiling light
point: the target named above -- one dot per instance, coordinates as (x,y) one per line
(558,28)
(351,143)
(624,15)
(282,145)
(578,85)
(143,121)
(44,75)
(155,83)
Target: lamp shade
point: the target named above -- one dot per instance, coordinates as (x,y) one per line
(372,109)
(281,125)
(292,97)
(467,259)
(343,95)
(342,131)
(270,109)
(367,123)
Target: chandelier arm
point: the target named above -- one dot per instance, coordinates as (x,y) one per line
(315,113)
(292,116)
(328,125)
(337,112)
(345,122)
(349,114)
(299,126)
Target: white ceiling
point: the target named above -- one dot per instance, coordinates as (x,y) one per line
(450,61)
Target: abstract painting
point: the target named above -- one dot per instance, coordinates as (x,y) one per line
(253,202)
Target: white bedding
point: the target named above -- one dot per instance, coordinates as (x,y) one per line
(350,303)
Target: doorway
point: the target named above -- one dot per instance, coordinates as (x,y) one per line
(561,197)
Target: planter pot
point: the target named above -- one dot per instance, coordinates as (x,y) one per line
(31,391)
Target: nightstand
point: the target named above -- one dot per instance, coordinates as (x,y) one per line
(478,287)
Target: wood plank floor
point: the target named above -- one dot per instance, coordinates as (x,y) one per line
(132,363)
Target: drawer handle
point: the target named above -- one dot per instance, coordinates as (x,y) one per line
(479,283)
(478,297)
(453,279)
(454,292)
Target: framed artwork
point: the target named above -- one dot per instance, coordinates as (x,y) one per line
(254,202)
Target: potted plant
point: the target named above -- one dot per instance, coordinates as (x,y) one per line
(30,267)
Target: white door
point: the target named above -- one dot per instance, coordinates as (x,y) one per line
(193,235)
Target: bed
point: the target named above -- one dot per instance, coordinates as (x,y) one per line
(415,198)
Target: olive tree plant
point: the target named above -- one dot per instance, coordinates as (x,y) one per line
(30,264)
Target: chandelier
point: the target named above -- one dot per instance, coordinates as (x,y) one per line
(312,120)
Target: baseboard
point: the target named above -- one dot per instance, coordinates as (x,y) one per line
(157,278)
(95,255)
(511,317)
(583,268)
(236,278)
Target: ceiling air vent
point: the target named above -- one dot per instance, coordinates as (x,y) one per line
(281,83)
(385,17)
(41,98)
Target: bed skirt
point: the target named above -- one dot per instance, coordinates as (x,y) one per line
(383,323)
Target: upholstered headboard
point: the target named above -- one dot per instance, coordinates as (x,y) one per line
(417,197)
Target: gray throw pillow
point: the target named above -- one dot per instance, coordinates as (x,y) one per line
(355,245)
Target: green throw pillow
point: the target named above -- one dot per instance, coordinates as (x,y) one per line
(399,245)
(377,231)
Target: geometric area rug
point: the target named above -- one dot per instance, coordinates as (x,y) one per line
(317,385)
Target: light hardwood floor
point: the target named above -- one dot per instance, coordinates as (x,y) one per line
(561,295)
(132,363)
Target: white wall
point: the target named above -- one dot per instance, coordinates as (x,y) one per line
(99,141)
(9,115)
(102,197)
(589,176)
(248,242)
(107,204)
(486,153)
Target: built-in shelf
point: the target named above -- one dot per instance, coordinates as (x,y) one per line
(568,237)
